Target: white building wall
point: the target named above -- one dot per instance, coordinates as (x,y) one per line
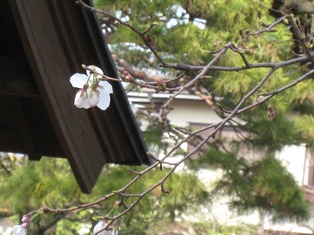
(192,110)
(295,158)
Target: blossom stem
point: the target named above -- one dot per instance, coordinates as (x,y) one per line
(108,214)
(104,77)
(110,78)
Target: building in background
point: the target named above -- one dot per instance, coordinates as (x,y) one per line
(193,112)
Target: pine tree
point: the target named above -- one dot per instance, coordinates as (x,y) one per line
(27,186)
(189,32)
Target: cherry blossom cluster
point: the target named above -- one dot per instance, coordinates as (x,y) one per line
(21,229)
(93,90)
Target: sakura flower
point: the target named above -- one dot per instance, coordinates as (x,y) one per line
(80,100)
(93,91)
(101,225)
(19,230)
(26,219)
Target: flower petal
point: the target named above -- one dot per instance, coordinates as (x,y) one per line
(98,70)
(104,101)
(80,100)
(100,225)
(78,80)
(107,86)
(93,100)
(19,230)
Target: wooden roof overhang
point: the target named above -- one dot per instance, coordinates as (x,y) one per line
(42,43)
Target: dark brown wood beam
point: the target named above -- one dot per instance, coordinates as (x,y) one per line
(51,71)
(57,37)
(16,78)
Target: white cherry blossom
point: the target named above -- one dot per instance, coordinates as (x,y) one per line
(19,230)
(101,225)
(80,100)
(93,91)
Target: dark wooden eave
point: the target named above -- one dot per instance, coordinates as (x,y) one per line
(42,44)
